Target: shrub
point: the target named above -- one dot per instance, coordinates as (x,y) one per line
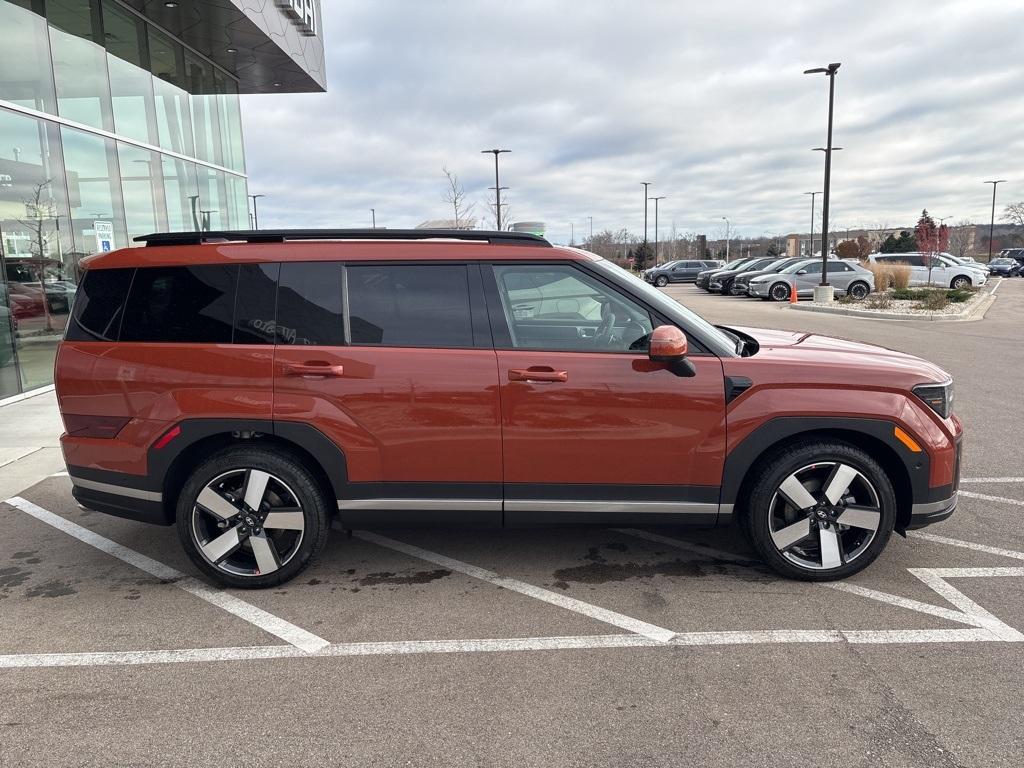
(934,300)
(959,295)
(882,273)
(878,301)
(900,275)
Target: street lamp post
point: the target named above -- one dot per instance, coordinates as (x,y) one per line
(255,214)
(497,183)
(646,185)
(811,249)
(992,222)
(726,238)
(373,218)
(656,199)
(830,70)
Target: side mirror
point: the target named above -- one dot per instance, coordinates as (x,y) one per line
(668,344)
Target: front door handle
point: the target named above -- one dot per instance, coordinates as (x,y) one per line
(537,373)
(314,368)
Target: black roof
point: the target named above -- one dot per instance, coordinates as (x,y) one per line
(281,235)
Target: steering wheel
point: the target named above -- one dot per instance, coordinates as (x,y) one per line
(606,330)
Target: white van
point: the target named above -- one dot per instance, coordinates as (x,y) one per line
(945,271)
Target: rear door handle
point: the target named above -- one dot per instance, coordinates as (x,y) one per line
(537,373)
(313,368)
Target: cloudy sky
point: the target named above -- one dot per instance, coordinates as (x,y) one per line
(707,100)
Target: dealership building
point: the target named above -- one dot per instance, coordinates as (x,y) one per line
(119,118)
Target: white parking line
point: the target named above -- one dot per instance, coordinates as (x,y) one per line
(562,601)
(300,638)
(20,456)
(991,480)
(986,497)
(967,544)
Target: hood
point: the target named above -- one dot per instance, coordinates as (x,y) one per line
(748,276)
(726,272)
(847,358)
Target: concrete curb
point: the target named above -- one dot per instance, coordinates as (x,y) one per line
(976,312)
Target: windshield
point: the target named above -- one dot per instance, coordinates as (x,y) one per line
(797,267)
(735,264)
(776,264)
(721,344)
(1002,261)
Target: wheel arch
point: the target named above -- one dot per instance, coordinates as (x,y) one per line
(874,436)
(201,438)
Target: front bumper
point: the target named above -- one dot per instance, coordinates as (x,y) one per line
(739,289)
(932,512)
(757,289)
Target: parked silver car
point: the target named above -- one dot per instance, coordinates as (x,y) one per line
(847,279)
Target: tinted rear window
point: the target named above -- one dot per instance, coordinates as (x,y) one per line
(99,304)
(256,303)
(181,304)
(410,306)
(309,304)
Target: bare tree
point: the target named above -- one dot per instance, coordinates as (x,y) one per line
(1014,213)
(455,196)
(38,211)
(961,238)
(506,214)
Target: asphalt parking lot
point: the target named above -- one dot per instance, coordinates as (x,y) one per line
(536,647)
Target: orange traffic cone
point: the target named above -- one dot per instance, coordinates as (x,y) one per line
(792,294)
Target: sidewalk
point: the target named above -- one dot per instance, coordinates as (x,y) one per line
(29,443)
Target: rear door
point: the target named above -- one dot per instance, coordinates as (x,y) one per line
(593,430)
(394,363)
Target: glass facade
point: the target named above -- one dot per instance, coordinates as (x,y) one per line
(109,129)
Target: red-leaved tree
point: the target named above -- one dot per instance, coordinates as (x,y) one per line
(931,240)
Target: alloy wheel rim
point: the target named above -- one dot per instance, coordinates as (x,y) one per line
(247,522)
(780,291)
(824,515)
(859,292)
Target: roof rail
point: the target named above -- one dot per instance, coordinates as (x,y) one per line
(282,235)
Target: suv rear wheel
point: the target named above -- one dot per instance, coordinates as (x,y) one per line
(820,510)
(858,291)
(251,517)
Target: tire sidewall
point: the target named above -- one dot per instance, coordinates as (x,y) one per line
(283,465)
(784,464)
(771,292)
(661,281)
(857,286)
(960,282)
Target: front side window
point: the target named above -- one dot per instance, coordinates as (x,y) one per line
(309,304)
(410,306)
(559,308)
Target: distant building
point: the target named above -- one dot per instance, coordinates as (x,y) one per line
(447,224)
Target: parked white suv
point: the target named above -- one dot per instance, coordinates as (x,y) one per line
(945,270)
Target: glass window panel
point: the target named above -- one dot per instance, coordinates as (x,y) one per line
(230,122)
(204,101)
(131,85)
(79,62)
(561,309)
(25,75)
(181,305)
(98,305)
(142,187)
(174,117)
(238,203)
(10,379)
(410,306)
(212,199)
(256,303)
(309,311)
(94,193)
(181,195)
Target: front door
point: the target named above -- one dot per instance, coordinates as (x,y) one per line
(394,363)
(592,429)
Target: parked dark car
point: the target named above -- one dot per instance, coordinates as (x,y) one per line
(1005,266)
(741,285)
(684,271)
(721,282)
(704,278)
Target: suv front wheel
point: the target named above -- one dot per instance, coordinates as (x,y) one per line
(820,510)
(661,281)
(960,282)
(251,517)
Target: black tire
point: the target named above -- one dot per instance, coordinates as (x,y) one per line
(779,292)
(661,281)
(960,282)
(858,291)
(760,511)
(294,477)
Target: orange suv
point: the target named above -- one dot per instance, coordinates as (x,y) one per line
(256,387)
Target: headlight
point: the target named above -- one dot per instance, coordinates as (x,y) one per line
(938,397)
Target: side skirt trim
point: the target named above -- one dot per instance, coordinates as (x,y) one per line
(116,490)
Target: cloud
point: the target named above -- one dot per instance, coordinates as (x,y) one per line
(705,100)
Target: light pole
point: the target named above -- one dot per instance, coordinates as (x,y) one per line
(254,198)
(572,234)
(373,218)
(992,222)
(497,183)
(810,252)
(726,239)
(646,185)
(591,231)
(819,149)
(830,70)
(656,199)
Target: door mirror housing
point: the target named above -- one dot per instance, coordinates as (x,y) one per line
(668,344)
(802,272)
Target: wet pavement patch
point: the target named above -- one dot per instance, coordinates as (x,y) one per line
(387,577)
(51,589)
(600,572)
(13,577)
